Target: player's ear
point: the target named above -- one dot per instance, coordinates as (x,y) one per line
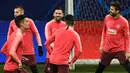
(62,14)
(118,11)
(22,12)
(22,24)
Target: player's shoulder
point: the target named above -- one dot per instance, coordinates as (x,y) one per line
(18,33)
(12,22)
(50,22)
(76,34)
(30,20)
(17,36)
(63,22)
(73,32)
(108,16)
(124,19)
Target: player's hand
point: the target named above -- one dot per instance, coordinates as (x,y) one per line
(24,58)
(127,55)
(19,65)
(40,50)
(70,64)
(101,49)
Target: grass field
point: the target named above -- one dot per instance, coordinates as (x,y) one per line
(82,69)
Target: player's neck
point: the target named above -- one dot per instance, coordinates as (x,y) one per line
(58,21)
(117,16)
(70,27)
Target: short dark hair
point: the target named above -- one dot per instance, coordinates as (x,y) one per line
(58,8)
(69,19)
(116,5)
(21,7)
(19,19)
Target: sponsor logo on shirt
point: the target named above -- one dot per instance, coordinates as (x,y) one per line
(112,31)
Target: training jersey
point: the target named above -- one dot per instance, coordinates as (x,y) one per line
(27,37)
(14,42)
(51,27)
(115,35)
(64,41)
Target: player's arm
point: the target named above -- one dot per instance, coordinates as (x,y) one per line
(4,49)
(35,31)
(77,49)
(10,30)
(126,37)
(48,33)
(15,43)
(48,42)
(38,38)
(24,58)
(103,38)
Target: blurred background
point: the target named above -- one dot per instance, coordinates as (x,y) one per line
(89,16)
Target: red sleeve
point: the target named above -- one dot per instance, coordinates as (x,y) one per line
(4,49)
(35,31)
(15,43)
(77,49)
(103,35)
(48,32)
(10,29)
(48,42)
(126,36)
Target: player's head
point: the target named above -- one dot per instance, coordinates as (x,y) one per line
(18,10)
(114,8)
(58,14)
(22,21)
(69,19)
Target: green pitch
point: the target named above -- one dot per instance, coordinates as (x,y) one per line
(82,69)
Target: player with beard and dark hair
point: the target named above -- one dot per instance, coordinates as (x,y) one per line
(50,28)
(65,39)
(115,39)
(28,51)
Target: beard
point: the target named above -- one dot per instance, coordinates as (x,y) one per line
(15,16)
(112,14)
(58,19)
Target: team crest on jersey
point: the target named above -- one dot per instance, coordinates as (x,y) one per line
(118,26)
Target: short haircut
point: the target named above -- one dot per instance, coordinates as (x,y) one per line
(21,7)
(19,19)
(116,5)
(59,8)
(69,20)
